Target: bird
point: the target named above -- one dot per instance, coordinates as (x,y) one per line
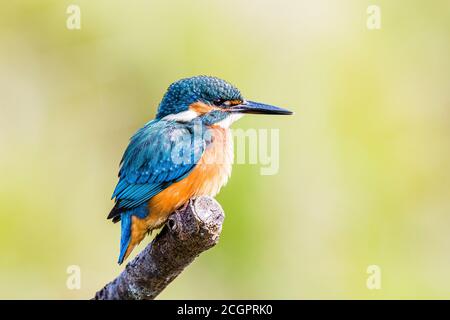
(185,152)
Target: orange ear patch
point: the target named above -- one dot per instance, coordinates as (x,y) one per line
(235,102)
(202,108)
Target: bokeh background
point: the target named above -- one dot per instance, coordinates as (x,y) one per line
(364,164)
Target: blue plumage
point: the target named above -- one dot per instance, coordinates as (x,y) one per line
(150,163)
(159,154)
(125,235)
(140,212)
(210,90)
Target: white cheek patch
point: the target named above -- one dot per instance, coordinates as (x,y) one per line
(184,116)
(226,123)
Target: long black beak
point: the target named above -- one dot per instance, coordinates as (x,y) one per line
(258,108)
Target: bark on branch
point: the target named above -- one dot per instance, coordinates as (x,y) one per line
(188,232)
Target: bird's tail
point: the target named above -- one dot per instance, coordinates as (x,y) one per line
(125,236)
(134,228)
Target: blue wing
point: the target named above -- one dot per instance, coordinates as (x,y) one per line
(158,155)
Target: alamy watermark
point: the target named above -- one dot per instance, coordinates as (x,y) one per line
(373,281)
(373,17)
(73,21)
(251,146)
(73,281)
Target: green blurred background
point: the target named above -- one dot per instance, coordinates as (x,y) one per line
(364,164)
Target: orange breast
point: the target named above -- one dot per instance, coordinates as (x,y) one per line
(208,176)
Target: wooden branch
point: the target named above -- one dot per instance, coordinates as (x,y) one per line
(188,232)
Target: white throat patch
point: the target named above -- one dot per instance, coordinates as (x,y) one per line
(226,123)
(184,116)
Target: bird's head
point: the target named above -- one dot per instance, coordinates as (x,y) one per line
(212,100)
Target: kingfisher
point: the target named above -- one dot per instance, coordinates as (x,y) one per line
(185,152)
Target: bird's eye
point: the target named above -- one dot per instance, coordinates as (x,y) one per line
(226,103)
(220,102)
